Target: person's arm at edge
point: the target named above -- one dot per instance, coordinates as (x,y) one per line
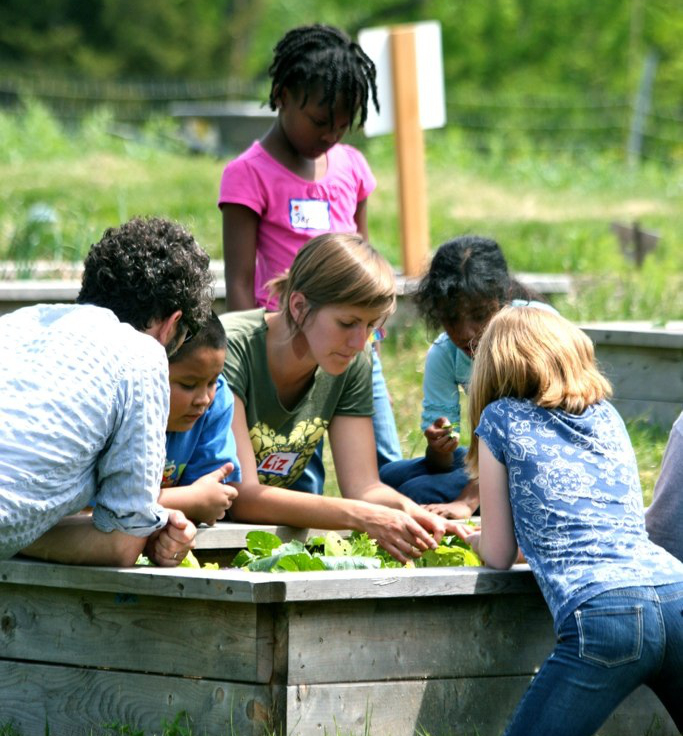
(206,500)
(76,541)
(361,218)
(240,228)
(495,543)
(262,504)
(441,400)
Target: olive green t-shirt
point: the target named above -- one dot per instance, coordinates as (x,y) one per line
(284,440)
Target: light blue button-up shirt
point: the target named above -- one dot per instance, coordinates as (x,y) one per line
(84,403)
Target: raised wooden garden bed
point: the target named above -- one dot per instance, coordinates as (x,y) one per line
(645,365)
(448,650)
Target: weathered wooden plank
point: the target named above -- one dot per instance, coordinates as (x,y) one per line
(80,702)
(219,585)
(138,633)
(451,707)
(405,583)
(636,334)
(661,413)
(356,641)
(233,535)
(643,373)
(239,586)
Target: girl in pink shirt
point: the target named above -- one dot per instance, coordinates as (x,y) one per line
(299,181)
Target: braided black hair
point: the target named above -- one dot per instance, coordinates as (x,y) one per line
(468,274)
(321,54)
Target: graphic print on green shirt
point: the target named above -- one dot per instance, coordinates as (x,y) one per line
(281,459)
(284,440)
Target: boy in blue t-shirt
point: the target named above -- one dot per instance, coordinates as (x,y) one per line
(201,457)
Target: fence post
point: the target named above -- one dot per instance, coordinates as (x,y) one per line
(412,180)
(641,109)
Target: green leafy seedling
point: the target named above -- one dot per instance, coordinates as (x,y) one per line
(453,434)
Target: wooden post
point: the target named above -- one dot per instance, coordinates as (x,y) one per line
(412,183)
(641,109)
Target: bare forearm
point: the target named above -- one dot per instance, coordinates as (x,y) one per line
(439,461)
(76,541)
(379,493)
(181,498)
(261,504)
(238,295)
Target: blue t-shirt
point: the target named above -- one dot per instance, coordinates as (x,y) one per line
(206,447)
(576,501)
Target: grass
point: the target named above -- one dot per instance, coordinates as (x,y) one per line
(551,213)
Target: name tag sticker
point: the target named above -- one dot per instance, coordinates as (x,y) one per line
(309,214)
(278,463)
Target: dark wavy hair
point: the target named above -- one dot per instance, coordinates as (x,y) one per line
(468,274)
(145,270)
(212,335)
(321,54)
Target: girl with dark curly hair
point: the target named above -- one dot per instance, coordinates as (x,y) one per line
(467,283)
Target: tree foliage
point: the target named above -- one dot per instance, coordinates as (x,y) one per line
(564,46)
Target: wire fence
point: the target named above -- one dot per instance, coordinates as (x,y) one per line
(551,123)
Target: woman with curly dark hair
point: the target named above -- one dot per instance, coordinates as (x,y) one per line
(84,403)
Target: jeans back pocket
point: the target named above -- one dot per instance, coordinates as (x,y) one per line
(610,636)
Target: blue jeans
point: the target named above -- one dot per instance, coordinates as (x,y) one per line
(312,480)
(413,478)
(609,646)
(383,422)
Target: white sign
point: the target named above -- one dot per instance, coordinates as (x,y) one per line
(430,81)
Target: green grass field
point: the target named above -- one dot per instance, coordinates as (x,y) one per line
(551,213)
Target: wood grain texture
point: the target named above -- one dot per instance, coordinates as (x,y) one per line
(449,707)
(237,586)
(660,413)
(80,702)
(224,641)
(643,373)
(636,334)
(358,641)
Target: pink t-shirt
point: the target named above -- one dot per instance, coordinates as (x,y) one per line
(292,209)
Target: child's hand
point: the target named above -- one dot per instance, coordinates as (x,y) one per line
(468,534)
(441,436)
(211,497)
(169,547)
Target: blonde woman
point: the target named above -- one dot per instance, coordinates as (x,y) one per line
(306,370)
(558,476)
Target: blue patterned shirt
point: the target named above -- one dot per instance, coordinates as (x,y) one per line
(576,501)
(83,411)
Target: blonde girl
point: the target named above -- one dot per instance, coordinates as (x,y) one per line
(558,477)
(306,370)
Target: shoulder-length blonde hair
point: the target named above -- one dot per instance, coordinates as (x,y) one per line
(532,353)
(336,268)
